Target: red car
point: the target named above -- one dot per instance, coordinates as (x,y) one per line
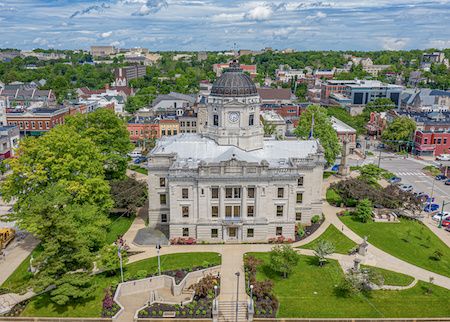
(446,222)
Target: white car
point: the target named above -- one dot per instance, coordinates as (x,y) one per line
(437,217)
(443,157)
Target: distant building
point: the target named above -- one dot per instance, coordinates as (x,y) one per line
(251,69)
(102,50)
(175,102)
(168,127)
(202,56)
(273,118)
(9,140)
(285,74)
(124,74)
(275,95)
(142,128)
(28,97)
(314,95)
(37,121)
(343,131)
(324,73)
(287,111)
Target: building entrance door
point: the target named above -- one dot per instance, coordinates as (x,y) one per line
(232,232)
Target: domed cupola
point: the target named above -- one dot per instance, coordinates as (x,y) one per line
(234,83)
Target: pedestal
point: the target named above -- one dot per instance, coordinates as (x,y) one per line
(356,263)
(363,249)
(251,310)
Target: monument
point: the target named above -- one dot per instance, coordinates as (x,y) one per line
(344,168)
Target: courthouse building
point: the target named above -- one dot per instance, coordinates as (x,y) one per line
(228,183)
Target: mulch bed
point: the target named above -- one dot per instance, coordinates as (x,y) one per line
(309,230)
(18,309)
(266,307)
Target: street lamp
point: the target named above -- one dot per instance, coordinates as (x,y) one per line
(237,295)
(251,297)
(215,297)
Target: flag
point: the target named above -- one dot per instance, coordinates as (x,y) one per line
(312,128)
(119,254)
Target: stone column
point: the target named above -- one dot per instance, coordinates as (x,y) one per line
(363,248)
(356,263)
(344,168)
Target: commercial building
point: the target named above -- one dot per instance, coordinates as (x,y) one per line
(102,50)
(123,75)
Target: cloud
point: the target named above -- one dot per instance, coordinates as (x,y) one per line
(99,9)
(187,41)
(107,34)
(40,41)
(389,43)
(318,16)
(282,33)
(259,13)
(439,44)
(118,43)
(228,17)
(150,6)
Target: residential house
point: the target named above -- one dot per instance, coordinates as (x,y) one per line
(175,102)
(28,97)
(285,74)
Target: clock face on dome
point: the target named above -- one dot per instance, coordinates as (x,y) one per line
(234,117)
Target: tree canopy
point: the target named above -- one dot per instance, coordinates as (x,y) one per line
(283,258)
(400,129)
(323,130)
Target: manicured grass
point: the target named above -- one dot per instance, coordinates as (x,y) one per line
(18,278)
(391,237)
(332,196)
(138,169)
(328,173)
(118,227)
(388,175)
(394,278)
(41,305)
(297,298)
(342,243)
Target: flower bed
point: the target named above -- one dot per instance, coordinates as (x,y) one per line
(266,304)
(307,230)
(280,240)
(200,307)
(17,309)
(110,308)
(182,241)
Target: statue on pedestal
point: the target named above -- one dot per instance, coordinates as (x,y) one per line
(344,168)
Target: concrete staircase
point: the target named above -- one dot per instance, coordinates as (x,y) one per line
(5,307)
(227,311)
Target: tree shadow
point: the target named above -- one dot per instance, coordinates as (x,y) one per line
(313,261)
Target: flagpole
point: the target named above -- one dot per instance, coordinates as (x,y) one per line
(121,270)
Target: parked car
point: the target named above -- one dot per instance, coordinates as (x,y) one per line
(358,145)
(443,157)
(140,159)
(135,154)
(394,180)
(441,177)
(444,215)
(447,182)
(446,222)
(407,187)
(432,207)
(423,198)
(381,145)
(447,228)
(335,167)
(419,193)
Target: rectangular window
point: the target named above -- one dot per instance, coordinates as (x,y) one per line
(279,231)
(229,193)
(181,123)
(237,193)
(251,193)
(137,132)
(280,192)
(40,124)
(250,232)
(298,216)
(251,119)
(214,233)
(174,132)
(163,132)
(434,141)
(299,197)
(185,211)
(47,124)
(185,232)
(300,181)
(250,211)
(20,124)
(445,141)
(215,211)
(227,211)
(426,141)
(237,211)
(162,199)
(279,211)
(215,193)
(216,120)
(185,193)
(162,182)
(188,124)
(26,125)
(33,125)
(194,124)
(439,141)
(169,132)
(163,217)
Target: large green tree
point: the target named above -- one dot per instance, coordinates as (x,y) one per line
(400,129)
(283,258)
(110,135)
(380,104)
(323,130)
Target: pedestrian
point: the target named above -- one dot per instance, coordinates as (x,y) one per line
(342,227)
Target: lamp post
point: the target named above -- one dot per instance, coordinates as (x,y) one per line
(431,197)
(237,295)
(158,247)
(215,297)
(251,297)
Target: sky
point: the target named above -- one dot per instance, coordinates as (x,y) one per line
(216,25)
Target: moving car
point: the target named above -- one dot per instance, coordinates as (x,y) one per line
(440,177)
(335,168)
(447,182)
(431,207)
(394,180)
(140,159)
(443,157)
(407,187)
(438,216)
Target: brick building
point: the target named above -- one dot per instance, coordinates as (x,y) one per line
(37,121)
(142,128)
(429,143)
(168,127)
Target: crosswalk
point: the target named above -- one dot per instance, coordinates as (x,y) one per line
(412,173)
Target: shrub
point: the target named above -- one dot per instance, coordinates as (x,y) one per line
(177,313)
(183,313)
(270,312)
(258,313)
(154,312)
(126,276)
(353,250)
(141,312)
(160,313)
(28,276)
(205,264)
(315,219)
(197,312)
(263,311)
(141,274)
(145,313)
(204,286)
(190,312)
(203,312)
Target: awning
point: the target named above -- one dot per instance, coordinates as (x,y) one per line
(426,148)
(4,156)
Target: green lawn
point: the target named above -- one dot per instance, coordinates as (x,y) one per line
(118,227)
(41,305)
(342,243)
(390,237)
(138,169)
(394,278)
(297,298)
(326,174)
(19,278)
(332,196)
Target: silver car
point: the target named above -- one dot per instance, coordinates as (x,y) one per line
(407,187)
